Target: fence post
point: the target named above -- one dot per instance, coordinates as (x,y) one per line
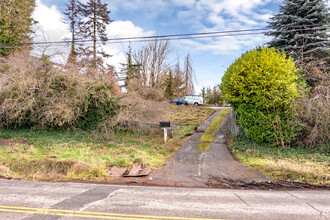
(234,128)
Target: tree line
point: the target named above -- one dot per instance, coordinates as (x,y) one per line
(147,66)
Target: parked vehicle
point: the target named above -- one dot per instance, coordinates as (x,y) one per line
(193,99)
(179,101)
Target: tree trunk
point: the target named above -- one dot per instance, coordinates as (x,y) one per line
(94,32)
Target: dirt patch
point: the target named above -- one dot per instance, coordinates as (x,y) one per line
(13,141)
(222,183)
(5,172)
(48,169)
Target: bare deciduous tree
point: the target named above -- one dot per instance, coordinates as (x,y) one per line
(152,59)
(178,85)
(189,76)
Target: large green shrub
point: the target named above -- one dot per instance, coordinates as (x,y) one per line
(99,105)
(261,86)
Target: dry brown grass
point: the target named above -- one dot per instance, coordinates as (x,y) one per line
(5,172)
(185,115)
(138,113)
(145,92)
(293,170)
(305,166)
(52,169)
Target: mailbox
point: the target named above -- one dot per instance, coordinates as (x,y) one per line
(165,124)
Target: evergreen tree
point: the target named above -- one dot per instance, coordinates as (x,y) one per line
(216,98)
(169,82)
(72,16)
(204,94)
(212,96)
(15,23)
(93,27)
(130,69)
(301,29)
(208,95)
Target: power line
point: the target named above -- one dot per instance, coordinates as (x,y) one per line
(217,34)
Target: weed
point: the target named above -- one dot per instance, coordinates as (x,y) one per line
(300,163)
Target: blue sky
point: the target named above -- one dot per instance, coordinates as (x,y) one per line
(210,57)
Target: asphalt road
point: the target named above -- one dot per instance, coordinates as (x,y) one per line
(52,201)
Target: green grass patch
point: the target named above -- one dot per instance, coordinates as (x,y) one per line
(298,163)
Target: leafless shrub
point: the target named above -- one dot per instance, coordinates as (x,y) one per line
(148,93)
(315,109)
(35,93)
(138,113)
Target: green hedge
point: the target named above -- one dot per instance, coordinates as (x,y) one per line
(262,86)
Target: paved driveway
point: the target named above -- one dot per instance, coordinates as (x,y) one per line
(194,165)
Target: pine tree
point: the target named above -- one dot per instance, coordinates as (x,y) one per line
(208,95)
(301,29)
(93,27)
(212,96)
(72,16)
(130,69)
(15,23)
(169,83)
(204,94)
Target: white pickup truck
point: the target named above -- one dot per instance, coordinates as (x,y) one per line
(193,99)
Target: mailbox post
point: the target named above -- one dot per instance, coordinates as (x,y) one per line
(165,125)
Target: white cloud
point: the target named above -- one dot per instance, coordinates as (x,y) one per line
(207,16)
(204,83)
(222,46)
(225,15)
(51,28)
(122,29)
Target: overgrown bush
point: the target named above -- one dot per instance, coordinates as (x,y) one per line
(35,93)
(139,114)
(262,86)
(314,110)
(98,105)
(147,93)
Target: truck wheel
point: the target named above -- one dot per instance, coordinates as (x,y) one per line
(196,104)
